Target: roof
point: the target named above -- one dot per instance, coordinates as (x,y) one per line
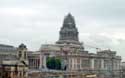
(7,48)
(22,46)
(4,45)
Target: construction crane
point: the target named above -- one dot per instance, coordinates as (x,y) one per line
(96,48)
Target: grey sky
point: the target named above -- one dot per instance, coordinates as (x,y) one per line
(101,23)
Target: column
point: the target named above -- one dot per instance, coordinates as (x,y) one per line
(69,64)
(36,63)
(73,64)
(44,62)
(102,63)
(92,63)
(32,64)
(40,66)
(80,63)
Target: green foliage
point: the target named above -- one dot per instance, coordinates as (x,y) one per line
(53,63)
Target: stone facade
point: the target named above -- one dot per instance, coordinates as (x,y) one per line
(102,64)
(123,70)
(34,60)
(16,66)
(5,51)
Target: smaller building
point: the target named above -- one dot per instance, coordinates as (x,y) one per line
(16,66)
(5,51)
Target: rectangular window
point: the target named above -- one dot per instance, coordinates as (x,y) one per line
(85,63)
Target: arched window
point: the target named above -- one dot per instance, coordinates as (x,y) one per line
(25,55)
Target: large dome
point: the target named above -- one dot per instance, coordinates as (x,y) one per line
(69,31)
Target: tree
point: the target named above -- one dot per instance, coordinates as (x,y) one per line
(53,63)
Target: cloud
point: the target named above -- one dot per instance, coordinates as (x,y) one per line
(103,41)
(35,22)
(16,12)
